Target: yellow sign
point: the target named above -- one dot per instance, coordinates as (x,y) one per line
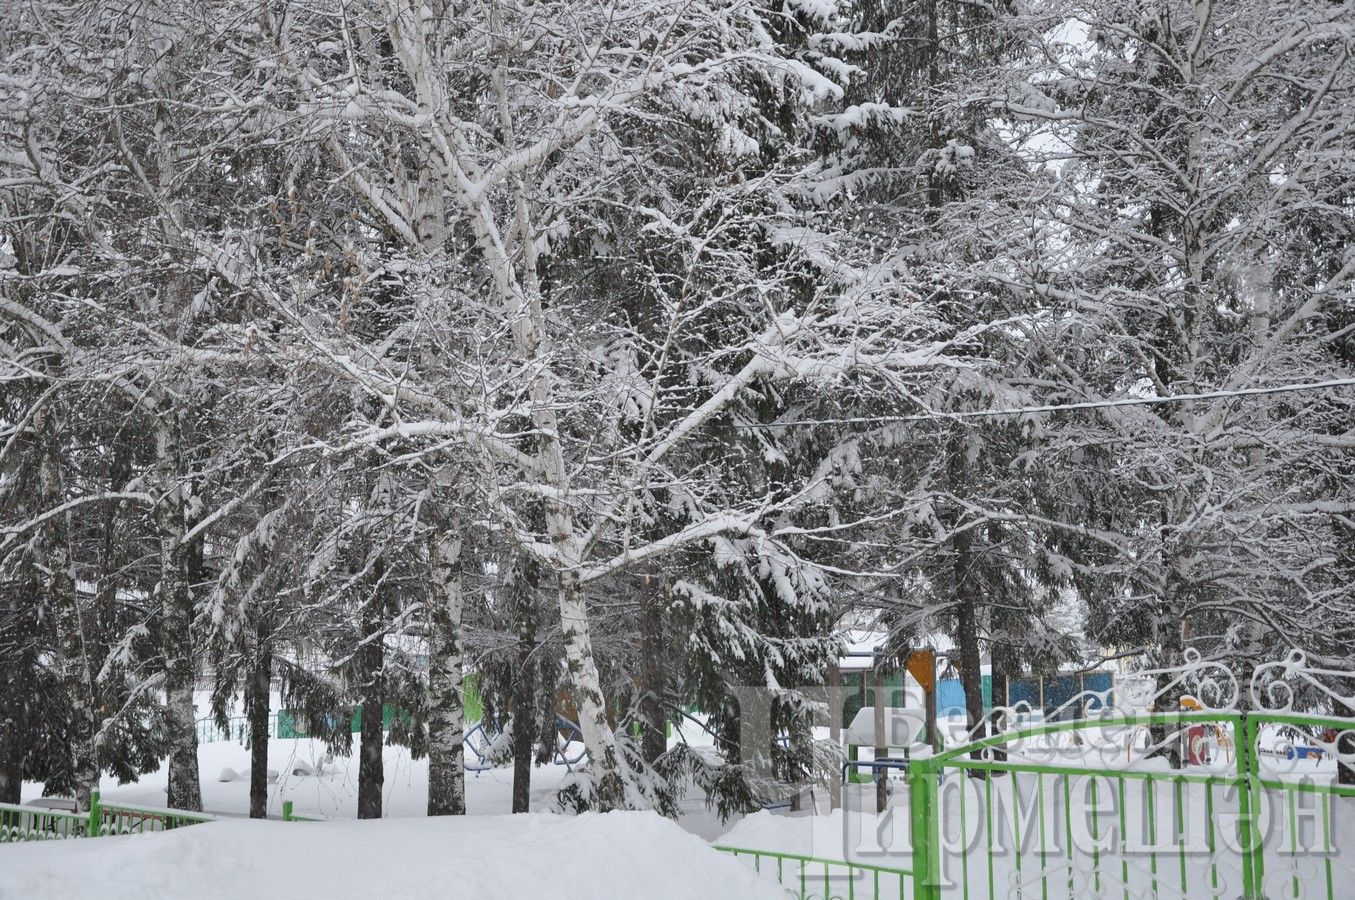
(922,666)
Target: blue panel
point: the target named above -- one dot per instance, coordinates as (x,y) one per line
(1099,682)
(1024,690)
(950,696)
(1060,691)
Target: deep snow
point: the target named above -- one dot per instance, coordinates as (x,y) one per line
(495,855)
(333,793)
(589,857)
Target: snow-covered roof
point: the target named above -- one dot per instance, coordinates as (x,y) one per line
(862,644)
(903,727)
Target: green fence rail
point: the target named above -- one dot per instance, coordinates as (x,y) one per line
(288,723)
(123,819)
(1174,844)
(31,823)
(837,878)
(289,816)
(34,823)
(210,730)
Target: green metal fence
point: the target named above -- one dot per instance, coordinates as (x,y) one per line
(236,729)
(1063,809)
(32,823)
(1288,793)
(805,876)
(985,826)
(119,818)
(289,816)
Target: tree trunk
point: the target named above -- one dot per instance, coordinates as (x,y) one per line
(1000,661)
(257,710)
(176,614)
(881,749)
(526,580)
(16,667)
(524,727)
(371,660)
(968,598)
(59,583)
(970,664)
(519,287)
(100,625)
(446,720)
(174,593)
(834,730)
(653,678)
(13,729)
(588,698)
(1167,739)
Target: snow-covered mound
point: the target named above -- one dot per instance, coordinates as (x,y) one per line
(837,835)
(590,857)
(806,835)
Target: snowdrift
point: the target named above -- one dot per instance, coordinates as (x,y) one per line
(836,835)
(589,857)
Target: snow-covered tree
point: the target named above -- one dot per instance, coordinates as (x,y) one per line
(1183,144)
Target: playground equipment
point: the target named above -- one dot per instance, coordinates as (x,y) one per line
(1321,747)
(884,727)
(885,730)
(1202,743)
(486,746)
(1304,753)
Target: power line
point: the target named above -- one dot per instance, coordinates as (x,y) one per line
(1061,407)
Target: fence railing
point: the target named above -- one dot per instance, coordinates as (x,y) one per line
(237,729)
(32,823)
(35,823)
(118,818)
(1288,793)
(1155,830)
(805,876)
(289,816)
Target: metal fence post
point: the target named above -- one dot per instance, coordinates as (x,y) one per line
(95,815)
(286,810)
(922,806)
(1250,839)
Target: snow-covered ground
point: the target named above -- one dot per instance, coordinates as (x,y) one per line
(590,857)
(331,793)
(418,853)
(333,790)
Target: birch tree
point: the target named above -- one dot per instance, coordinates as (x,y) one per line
(1186,139)
(522,178)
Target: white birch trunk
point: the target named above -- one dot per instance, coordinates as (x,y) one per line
(446,721)
(574,624)
(515,279)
